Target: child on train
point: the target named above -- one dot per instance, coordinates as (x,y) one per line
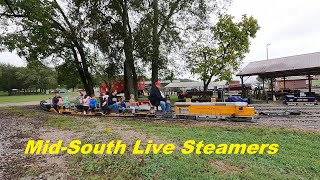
(104,103)
(123,104)
(133,104)
(93,103)
(65,103)
(86,103)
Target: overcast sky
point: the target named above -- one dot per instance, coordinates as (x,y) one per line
(291,27)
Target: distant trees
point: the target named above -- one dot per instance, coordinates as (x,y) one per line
(26,79)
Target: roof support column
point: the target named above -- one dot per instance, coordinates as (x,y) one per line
(263,83)
(309,79)
(284,82)
(242,87)
(272,92)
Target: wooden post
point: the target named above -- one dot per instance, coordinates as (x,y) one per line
(309,79)
(272,92)
(263,83)
(242,87)
(284,82)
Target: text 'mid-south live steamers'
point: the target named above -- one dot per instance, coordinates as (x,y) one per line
(117,147)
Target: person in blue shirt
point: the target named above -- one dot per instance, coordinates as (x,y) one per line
(123,104)
(93,103)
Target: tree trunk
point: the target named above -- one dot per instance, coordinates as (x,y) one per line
(206,84)
(85,69)
(81,73)
(125,80)
(130,74)
(205,87)
(155,43)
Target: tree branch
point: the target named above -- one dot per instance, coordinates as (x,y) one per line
(166,21)
(12,15)
(11,10)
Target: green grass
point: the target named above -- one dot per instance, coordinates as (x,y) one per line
(68,123)
(298,156)
(30,98)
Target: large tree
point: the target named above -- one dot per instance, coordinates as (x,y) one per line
(45,30)
(111,25)
(162,23)
(231,43)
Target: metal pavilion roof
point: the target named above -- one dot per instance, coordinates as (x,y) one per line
(305,64)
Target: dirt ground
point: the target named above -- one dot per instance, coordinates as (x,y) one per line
(16,130)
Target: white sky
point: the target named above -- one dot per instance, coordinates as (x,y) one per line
(291,27)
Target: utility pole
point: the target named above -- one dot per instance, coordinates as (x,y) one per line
(268,50)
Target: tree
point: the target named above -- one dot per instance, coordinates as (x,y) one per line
(45,30)
(231,43)
(8,80)
(110,19)
(67,76)
(170,76)
(162,23)
(25,78)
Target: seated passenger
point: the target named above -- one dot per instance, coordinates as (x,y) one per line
(78,102)
(123,104)
(104,103)
(86,103)
(113,102)
(157,98)
(132,103)
(65,103)
(55,101)
(93,103)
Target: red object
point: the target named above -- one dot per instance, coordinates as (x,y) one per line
(119,86)
(157,83)
(104,88)
(238,87)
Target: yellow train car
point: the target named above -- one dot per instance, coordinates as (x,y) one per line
(214,110)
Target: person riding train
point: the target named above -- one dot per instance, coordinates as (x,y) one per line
(55,102)
(157,98)
(113,102)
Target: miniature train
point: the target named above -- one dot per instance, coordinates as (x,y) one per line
(181,110)
(292,100)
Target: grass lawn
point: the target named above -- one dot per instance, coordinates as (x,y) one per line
(298,156)
(30,98)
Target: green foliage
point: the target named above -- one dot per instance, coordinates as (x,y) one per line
(67,76)
(163,22)
(46,33)
(231,43)
(25,79)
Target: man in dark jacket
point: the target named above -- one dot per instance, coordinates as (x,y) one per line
(157,98)
(55,101)
(113,102)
